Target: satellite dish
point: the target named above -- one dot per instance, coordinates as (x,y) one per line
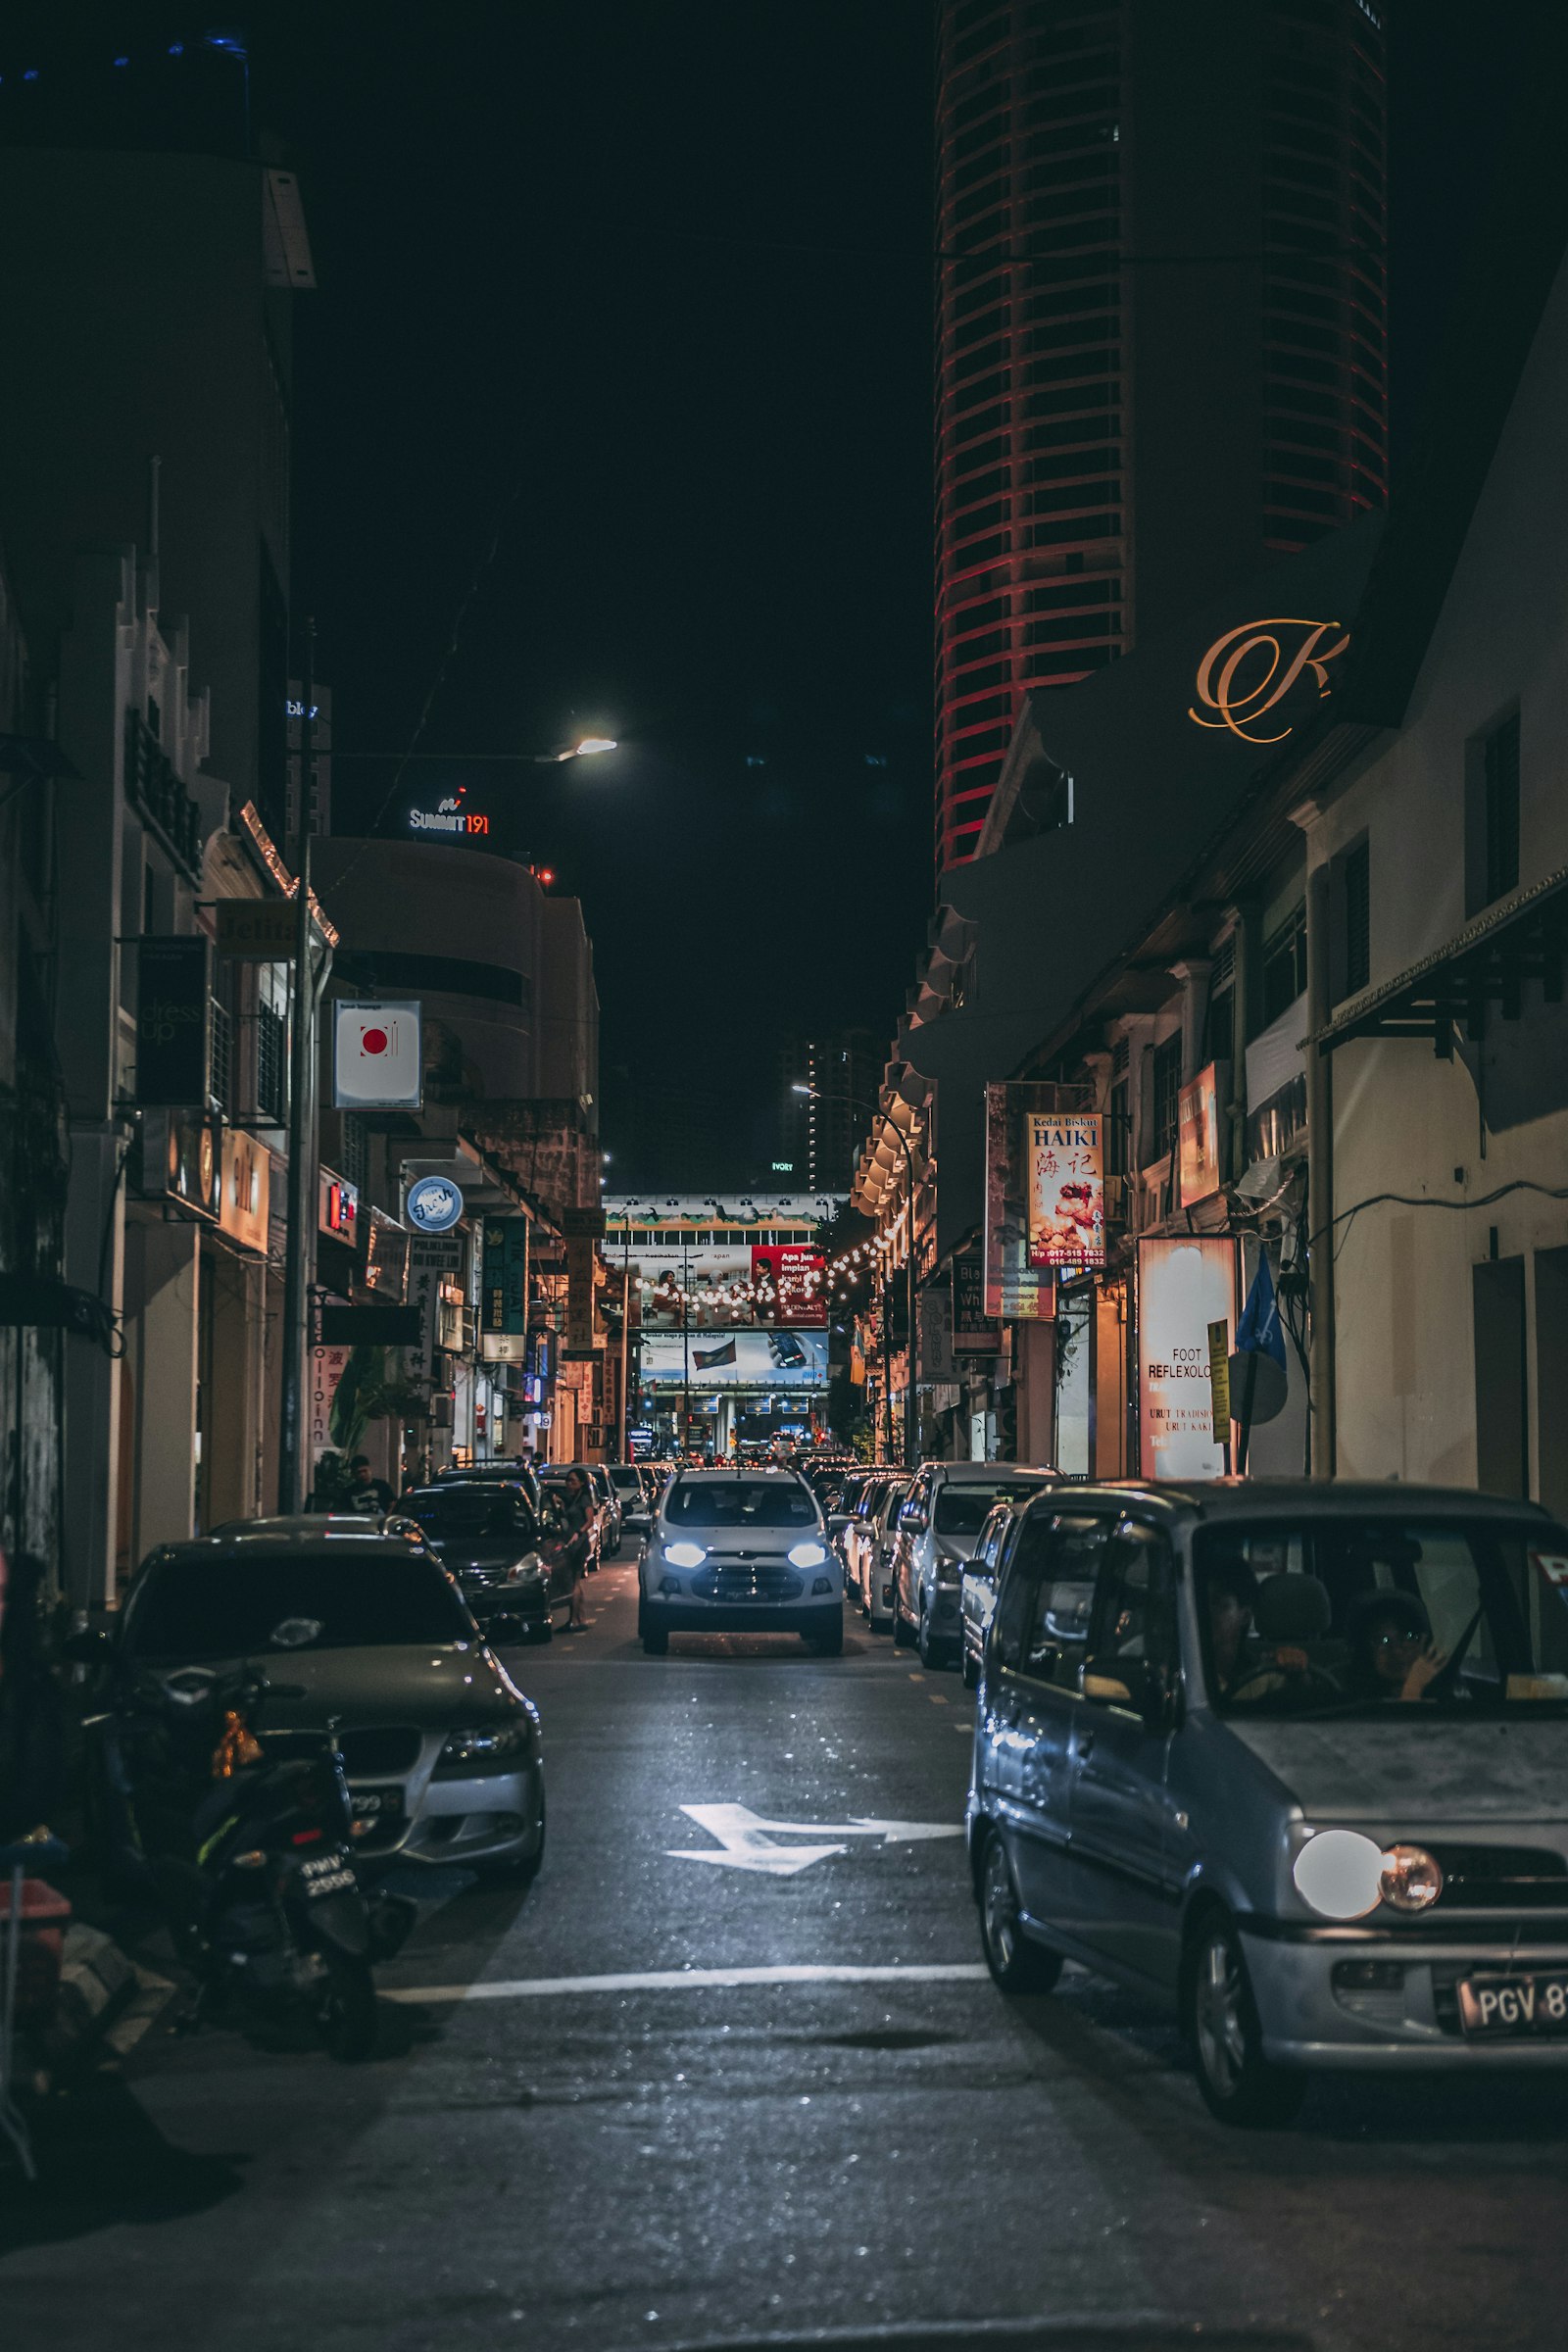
(1268,1388)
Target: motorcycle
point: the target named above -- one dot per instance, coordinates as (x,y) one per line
(249,1847)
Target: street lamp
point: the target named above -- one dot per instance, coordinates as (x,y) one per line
(912,1427)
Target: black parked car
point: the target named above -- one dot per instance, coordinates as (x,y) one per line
(506,1554)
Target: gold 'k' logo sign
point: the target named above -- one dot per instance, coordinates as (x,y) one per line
(1246,674)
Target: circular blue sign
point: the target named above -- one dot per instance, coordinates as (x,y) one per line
(436,1204)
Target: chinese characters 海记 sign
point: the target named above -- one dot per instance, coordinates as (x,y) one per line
(1066,1189)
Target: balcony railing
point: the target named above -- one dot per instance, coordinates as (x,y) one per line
(159,798)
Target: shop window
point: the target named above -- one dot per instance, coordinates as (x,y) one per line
(1166,1062)
(1492,814)
(1284,963)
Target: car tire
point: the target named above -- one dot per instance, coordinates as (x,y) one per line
(544,1632)
(1017,1965)
(1238,2083)
(971,1671)
(903,1630)
(829,1644)
(923,1642)
(655,1645)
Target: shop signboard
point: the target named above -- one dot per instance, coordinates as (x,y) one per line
(377,1055)
(1198,1158)
(337,1208)
(1013,1288)
(387,1255)
(327,1365)
(434,1204)
(255,930)
(789,1285)
(432,1259)
(173,1022)
(504,1278)
(247,1181)
(936,1335)
(1186,1284)
(973,1334)
(1066,1201)
(582,1229)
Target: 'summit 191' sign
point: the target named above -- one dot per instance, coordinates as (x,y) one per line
(1246,675)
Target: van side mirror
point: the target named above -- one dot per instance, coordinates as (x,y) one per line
(912,1520)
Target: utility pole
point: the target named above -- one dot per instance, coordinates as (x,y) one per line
(296,1268)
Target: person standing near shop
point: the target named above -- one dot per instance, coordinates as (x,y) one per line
(577,1502)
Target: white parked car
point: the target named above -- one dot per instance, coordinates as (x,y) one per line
(868,1542)
(740,1551)
(938,1530)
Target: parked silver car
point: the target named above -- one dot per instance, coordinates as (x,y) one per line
(977,1588)
(441,1749)
(938,1528)
(868,1541)
(1293,1755)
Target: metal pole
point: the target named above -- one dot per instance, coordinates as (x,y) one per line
(291,1446)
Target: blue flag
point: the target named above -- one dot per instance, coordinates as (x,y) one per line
(1259,1330)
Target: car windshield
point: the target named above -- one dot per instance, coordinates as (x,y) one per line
(1334,1616)
(239,1607)
(626,1480)
(964,1505)
(471,1511)
(740,1502)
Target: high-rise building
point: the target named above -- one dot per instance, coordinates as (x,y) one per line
(1161,307)
(827,1093)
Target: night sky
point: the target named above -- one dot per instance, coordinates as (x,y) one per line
(640,292)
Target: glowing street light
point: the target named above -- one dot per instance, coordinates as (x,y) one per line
(585,749)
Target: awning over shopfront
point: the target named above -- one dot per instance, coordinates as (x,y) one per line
(1487,964)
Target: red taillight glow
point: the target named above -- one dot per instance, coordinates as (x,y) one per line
(306,1838)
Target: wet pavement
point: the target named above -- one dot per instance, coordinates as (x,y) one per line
(730,2072)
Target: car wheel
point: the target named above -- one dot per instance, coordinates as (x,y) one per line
(1238,2084)
(828,1644)
(1015,1963)
(903,1630)
(971,1671)
(922,1640)
(545,1631)
(656,1645)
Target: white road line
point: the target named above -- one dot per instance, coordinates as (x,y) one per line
(684,1980)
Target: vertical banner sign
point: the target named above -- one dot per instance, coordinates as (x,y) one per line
(504,1282)
(1184,1285)
(327,1370)
(432,1259)
(789,1285)
(173,1023)
(1066,1189)
(1197,1137)
(583,1228)
(936,1335)
(973,1333)
(1015,1289)
(1219,1380)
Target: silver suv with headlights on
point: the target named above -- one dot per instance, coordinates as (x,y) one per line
(1293,1755)
(740,1551)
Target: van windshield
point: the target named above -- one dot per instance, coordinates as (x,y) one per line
(1329,1615)
(964,1505)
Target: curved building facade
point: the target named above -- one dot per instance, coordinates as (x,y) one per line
(1161,329)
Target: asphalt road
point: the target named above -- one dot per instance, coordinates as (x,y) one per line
(538,2157)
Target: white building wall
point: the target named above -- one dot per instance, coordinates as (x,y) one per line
(1406,1122)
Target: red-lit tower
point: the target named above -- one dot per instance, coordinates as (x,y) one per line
(1161,328)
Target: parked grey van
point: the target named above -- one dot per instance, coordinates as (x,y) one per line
(1295,1755)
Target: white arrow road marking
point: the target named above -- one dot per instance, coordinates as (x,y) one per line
(746,1839)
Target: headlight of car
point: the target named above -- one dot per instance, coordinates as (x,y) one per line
(529,1565)
(810,1554)
(1343,1875)
(685,1555)
(487,1747)
(949,1568)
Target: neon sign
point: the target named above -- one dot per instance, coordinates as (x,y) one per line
(449,817)
(1246,674)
